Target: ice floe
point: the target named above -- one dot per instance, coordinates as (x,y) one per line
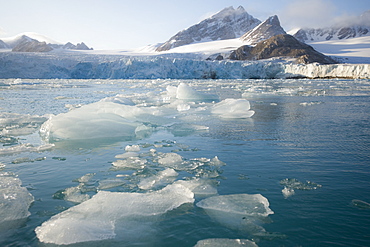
(99,217)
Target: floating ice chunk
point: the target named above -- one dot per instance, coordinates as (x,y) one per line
(110,183)
(102,120)
(14,199)
(298,185)
(225,242)
(126,155)
(185,92)
(130,163)
(233,108)
(97,218)
(238,211)
(170,159)
(162,177)
(287,192)
(200,187)
(85,178)
(183,107)
(25,148)
(132,148)
(73,194)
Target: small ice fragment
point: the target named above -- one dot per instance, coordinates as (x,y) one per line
(200,187)
(223,242)
(132,148)
(185,92)
(233,108)
(74,194)
(287,192)
(165,176)
(85,178)
(170,159)
(183,107)
(130,163)
(126,155)
(110,183)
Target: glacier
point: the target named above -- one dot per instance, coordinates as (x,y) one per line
(167,66)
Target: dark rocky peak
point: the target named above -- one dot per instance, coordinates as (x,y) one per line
(267,29)
(282,45)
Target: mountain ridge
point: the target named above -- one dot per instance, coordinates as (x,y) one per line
(228,23)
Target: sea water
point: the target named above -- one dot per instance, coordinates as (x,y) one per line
(290,167)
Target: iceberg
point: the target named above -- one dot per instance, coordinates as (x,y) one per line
(238,211)
(99,217)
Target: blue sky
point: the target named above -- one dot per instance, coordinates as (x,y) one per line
(123,24)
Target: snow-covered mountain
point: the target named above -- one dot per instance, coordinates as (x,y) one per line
(229,23)
(349,28)
(13,41)
(30,39)
(267,29)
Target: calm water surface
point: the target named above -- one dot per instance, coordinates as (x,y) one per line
(314,133)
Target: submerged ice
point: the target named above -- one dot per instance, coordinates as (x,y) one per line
(244,212)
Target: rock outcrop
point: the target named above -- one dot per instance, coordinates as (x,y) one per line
(282,45)
(229,23)
(267,29)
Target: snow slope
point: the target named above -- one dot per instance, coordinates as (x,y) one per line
(355,50)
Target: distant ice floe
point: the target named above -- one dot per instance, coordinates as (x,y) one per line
(119,118)
(97,218)
(222,242)
(14,124)
(25,148)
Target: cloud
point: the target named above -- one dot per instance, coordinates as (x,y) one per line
(313,13)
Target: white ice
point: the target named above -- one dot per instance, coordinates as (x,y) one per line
(99,217)
(233,108)
(185,92)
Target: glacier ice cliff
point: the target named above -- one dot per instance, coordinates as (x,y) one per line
(89,66)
